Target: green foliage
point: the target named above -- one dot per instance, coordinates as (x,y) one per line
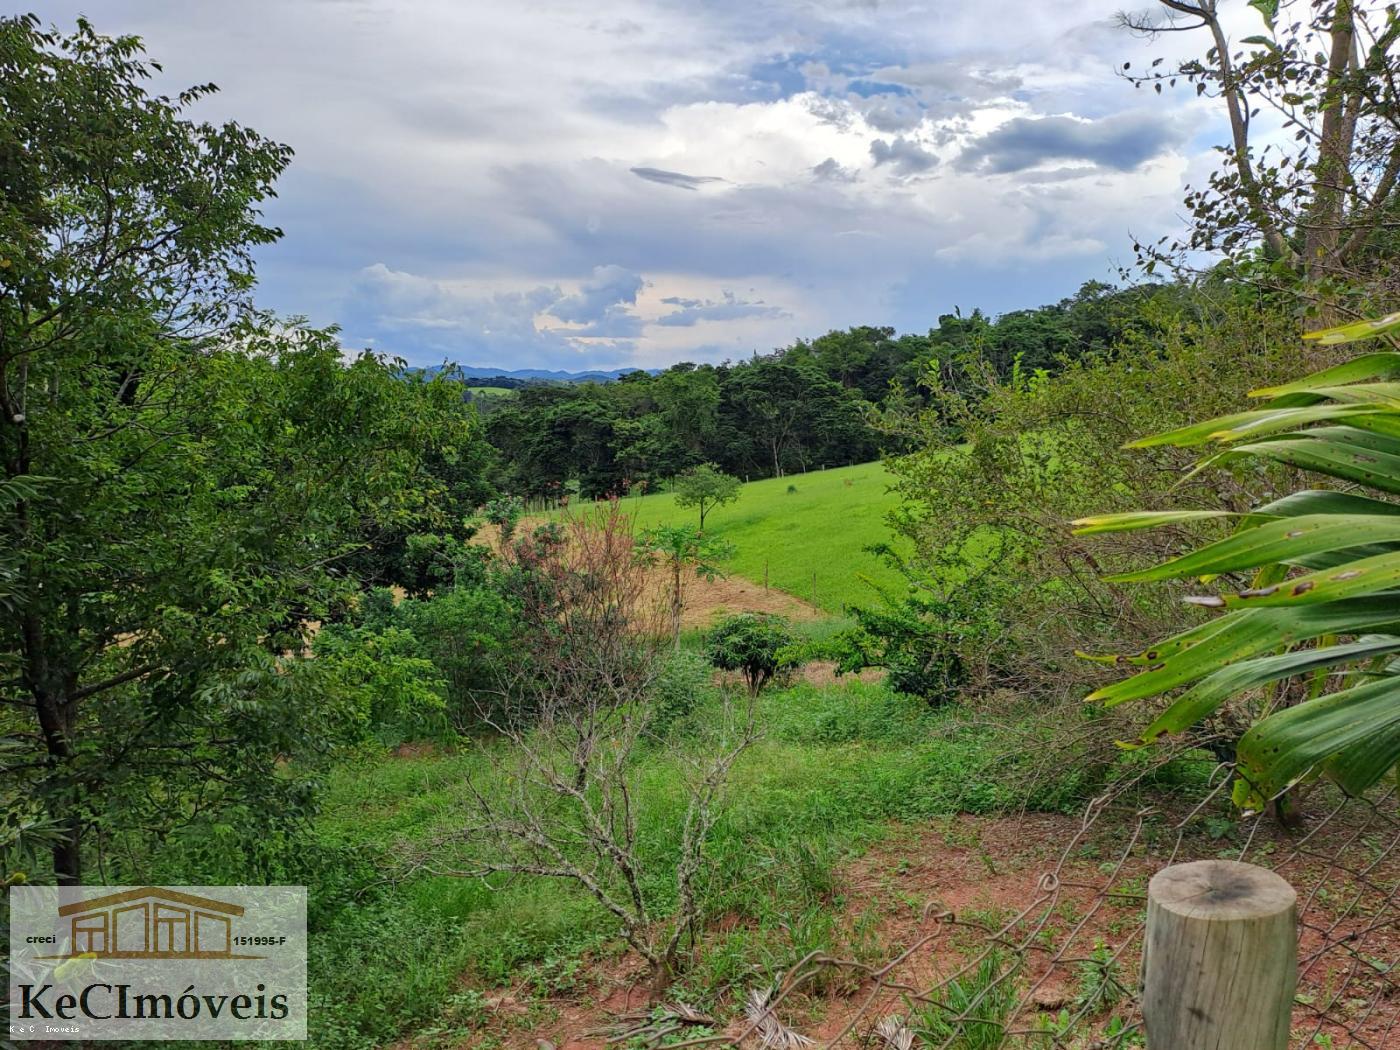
(464,633)
(681,547)
(970,1012)
(933,638)
(504,512)
(195,479)
(809,406)
(705,487)
(998,473)
(757,645)
(1100,978)
(394,693)
(1313,566)
(683,685)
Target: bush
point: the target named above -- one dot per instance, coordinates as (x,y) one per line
(389,690)
(934,639)
(757,645)
(464,632)
(999,470)
(683,685)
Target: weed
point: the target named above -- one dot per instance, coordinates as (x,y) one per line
(971,1012)
(1100,983)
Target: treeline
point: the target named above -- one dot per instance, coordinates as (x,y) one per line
(811,405)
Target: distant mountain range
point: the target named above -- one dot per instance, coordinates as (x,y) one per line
(542,374)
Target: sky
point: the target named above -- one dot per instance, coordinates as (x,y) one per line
(575,184)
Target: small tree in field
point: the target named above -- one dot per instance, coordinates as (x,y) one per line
(706,487)
(682,548)
(757,645)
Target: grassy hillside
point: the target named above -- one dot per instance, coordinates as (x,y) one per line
(820,530)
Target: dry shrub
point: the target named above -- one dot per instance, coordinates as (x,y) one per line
(574,714)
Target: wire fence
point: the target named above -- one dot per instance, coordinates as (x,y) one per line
(959,982)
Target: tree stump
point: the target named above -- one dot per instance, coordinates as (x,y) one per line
(1220,962)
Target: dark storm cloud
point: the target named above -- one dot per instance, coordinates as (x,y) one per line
(674,178)
(475,200)
(730,308)
(830,170)
(1121,142)
(608,288)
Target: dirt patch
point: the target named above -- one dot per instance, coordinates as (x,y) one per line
(937,888)
(417,749)
(823,672)
(705,601)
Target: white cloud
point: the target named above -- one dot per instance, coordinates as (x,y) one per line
(499,182)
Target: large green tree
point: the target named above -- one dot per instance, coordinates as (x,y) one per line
(185,477)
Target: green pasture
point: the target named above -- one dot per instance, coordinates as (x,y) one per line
(808,531)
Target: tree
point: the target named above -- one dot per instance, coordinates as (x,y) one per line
(1324,207)
(1316,566)
(687,399)
(706,487)
(757,645)
(681,548)
(191,475)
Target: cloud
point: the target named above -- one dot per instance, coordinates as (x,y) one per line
(673,178)
(609,289)
(426,319)
(729,308)
(904,155)
(831,171)
(473,204)
(1121,142)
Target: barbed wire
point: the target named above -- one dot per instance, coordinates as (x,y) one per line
(1344,864)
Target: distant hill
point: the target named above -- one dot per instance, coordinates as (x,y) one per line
(541,374)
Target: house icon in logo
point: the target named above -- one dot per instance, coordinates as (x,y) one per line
(151,923)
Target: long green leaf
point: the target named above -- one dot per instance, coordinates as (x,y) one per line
(1285,540)
(1283,748)
(1255,424)
(1144,519)
(1381,572)
(1206,696)
(1350,333)
(1374,395)
(1167,647)
(1325,501)
(1362,765)
(1336,455)
(1247,633)
(1384,364)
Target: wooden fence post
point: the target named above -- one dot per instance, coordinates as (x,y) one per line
(1220,960)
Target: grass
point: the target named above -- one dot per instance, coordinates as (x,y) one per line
(836,767)
(807,531)
(495,391)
